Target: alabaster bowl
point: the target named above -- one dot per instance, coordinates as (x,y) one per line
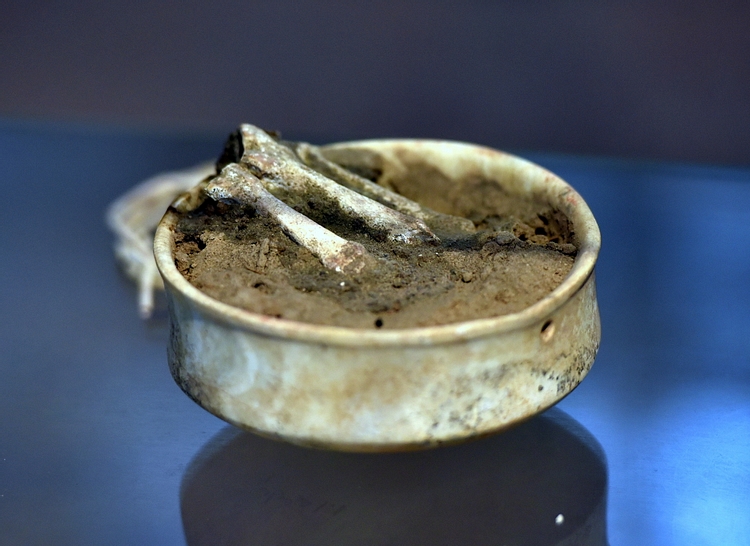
(358,389)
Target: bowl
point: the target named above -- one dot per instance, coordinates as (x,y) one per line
(352,389)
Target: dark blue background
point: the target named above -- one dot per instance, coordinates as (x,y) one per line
(95,438)
(666,79)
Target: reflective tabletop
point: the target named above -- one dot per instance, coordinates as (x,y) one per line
(98,445)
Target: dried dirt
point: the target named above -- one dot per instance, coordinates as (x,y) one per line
(244,260)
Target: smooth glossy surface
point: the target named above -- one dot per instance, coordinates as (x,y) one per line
(99,446)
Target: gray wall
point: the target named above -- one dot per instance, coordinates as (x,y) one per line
(637,79)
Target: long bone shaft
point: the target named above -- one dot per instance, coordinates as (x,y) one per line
(236,184)
(314,159)
(280,171)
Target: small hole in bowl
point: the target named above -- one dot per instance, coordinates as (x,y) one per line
(548,330)
(379,323)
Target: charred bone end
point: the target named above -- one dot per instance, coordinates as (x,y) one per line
(233,150)
(234,147)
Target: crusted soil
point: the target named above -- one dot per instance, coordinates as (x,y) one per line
(522,251)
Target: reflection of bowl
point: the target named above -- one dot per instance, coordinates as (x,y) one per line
(241,489)
(374,390)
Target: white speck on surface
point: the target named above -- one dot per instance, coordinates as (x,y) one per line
(559,519)
(342,283)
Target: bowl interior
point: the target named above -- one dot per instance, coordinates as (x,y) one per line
(441,175)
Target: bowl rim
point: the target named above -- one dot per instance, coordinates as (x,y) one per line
(558,193)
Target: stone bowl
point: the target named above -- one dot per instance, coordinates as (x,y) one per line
(387,390)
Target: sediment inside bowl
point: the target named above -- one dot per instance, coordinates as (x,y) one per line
(244,260)
(516,249)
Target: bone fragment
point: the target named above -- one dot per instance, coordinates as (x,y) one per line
(314,159)
(280,171)
(236,184)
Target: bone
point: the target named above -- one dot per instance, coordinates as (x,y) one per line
(280,171)
(314,159)
(236,184)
